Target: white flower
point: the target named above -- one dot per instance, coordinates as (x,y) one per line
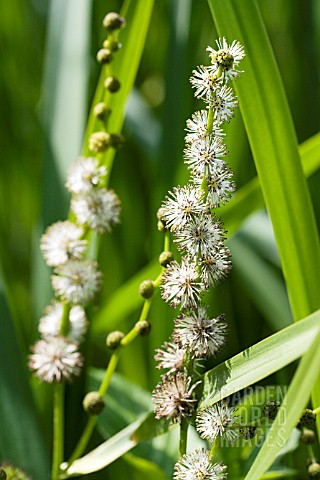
(173,397)
(196,465)
(227,57)
(183,204)
(181,285)
(219,184)
(197,127)
(201,236)
(203,155)
(77,281)
(62,242)
(219,419)
(171,356)
(85,174)
(205,82)
(199,335)
(50,323)
(55,359)
(215,266)
(98,208)
(223,104)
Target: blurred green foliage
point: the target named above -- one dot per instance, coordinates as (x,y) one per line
(31,183)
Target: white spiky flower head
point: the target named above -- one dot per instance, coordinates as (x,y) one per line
(219,419)
(219,183)
(181,205)
(227,58)
(197,465)
(50,323)
(198,334)
(223,104)
(173,397)
(77,281)
(180,284)
(205,83)
(170,357)
(215,266)
(197,127)
(85,174)
(98,208)
(202,155)
(55,359)
(201,236)
(61,242)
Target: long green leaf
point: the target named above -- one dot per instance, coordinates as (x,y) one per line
(249,198)
(259,361)
(293,404)
(21,439)
(273,143)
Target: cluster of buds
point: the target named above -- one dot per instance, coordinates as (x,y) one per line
(65,247)
(205,260)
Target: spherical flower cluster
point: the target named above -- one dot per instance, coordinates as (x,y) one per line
(200,238)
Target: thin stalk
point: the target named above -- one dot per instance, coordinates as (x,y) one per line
(183,437)
(58,429)
(214,448)
(65,321)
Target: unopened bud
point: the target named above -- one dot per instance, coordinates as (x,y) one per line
(308,436)
(93,403)
(165,258)
(314,470)
(116,140)
(113,339)
(101,111)
(112,21)
(104,56)
(112,45)
(146,288)
(99,141)
(112,84)
(160,214)
(143,327)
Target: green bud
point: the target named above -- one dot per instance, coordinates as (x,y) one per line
(104,56)
(116,140)
(113,45)
(113,339)
(165,258)
(314,470)
(307,418)
(308,436)
(112,84)
(112,21)
(143,327)
(101,111)
(160,214)
(93,403)
(146,288)
(99,141)
(161,226)
(271,409)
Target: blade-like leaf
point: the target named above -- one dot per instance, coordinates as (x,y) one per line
(259,361)
(293,404)
(274,146)
(21,439)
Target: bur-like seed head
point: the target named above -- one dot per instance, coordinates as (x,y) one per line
(101,111)
(314,470)
(146,288)
(165,258)
(143,327)
(93,403)
(308,436)
(113,21)
(114,339)
(248,432)
(104,56)
(271,409)
(99,141)
(308,418)
(112,84)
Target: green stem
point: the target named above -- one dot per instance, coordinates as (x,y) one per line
(84,439)
(65,321)
(210,120)
(110,371)
(167,241)
(316,410)
(58,428)
(214,448)
(183,437)
(311,453)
